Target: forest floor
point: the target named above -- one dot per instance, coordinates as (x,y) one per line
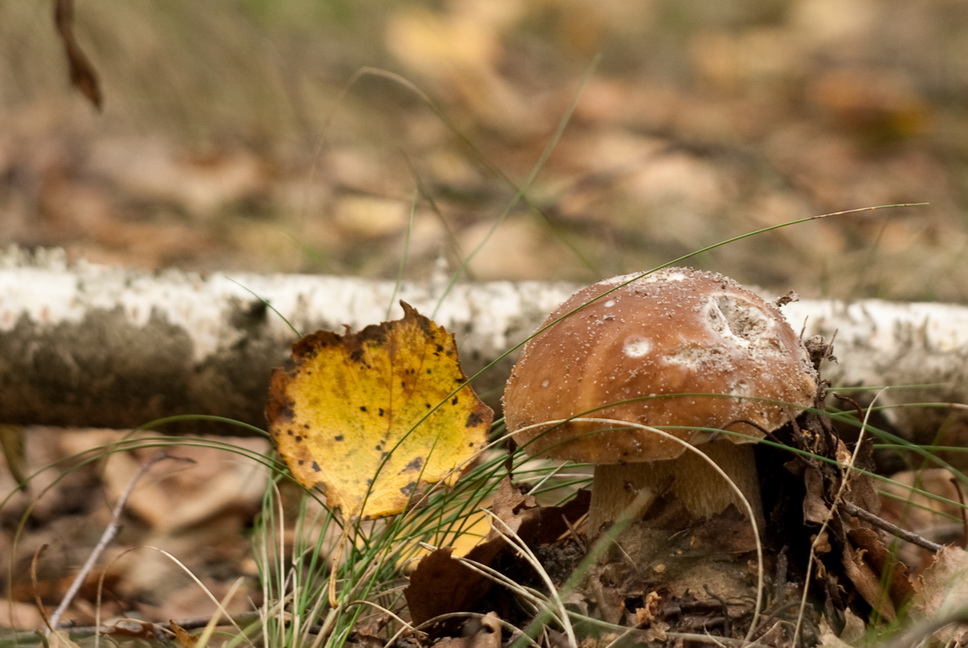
(346,137)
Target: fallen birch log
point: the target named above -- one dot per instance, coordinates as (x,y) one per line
(97,346)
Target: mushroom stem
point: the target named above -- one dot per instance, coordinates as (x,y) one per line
(624,490)
(702,490)
(628,489)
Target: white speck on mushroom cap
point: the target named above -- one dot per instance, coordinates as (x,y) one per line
(636,346)
(673,332)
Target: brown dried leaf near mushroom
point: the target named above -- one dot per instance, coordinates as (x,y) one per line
(680,349)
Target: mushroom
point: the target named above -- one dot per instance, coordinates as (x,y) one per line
(685,350)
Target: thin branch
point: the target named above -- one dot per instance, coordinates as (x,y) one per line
(33,581)
(114,526)
(151,630)
(893,529)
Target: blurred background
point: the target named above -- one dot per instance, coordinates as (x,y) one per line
(341,136)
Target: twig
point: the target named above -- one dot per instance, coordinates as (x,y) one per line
(891,528)
(114,526)
(964,519)
(135,628)
(33,581)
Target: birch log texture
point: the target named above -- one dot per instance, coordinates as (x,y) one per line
(85,345)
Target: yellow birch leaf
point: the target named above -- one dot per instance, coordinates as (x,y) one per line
(473,530)
(371,415)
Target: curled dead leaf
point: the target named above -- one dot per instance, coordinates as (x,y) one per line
(942,596)
(442,584)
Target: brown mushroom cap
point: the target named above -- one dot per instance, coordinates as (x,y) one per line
(673,332)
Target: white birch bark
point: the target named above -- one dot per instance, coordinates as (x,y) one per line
(93,346)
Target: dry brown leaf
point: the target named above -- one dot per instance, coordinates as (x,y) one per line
(943,593)
(510,506)
(441,584)
(815,509)
(924,502)
(867,582)
(893,574)
(183,638)
(83,76)
(483,632)
(854,567)
(854,632)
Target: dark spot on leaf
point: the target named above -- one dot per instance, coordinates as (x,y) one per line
(298,439)
(282,412)
(409,488)
(316,467)
(357,355)
(362,408)
(381,412)
(415,464)
(474,419)
(338,437)
(427,405)
(453,401)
